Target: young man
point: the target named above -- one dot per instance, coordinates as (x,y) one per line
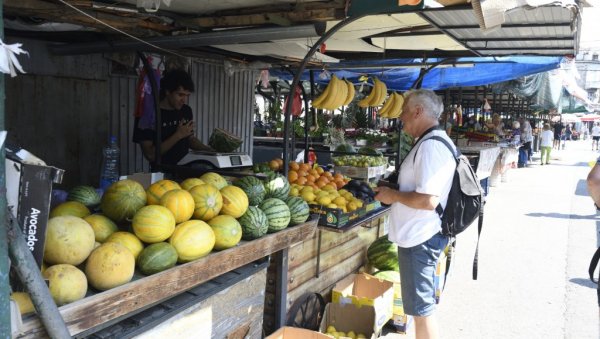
(424,179)
(595,136)
(177,130)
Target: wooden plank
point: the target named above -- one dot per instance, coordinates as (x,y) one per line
(120,301)
(278,18)
(328,278)
(331,258)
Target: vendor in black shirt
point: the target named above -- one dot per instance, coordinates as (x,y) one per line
(177,131)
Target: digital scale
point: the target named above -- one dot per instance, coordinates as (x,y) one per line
(207,159)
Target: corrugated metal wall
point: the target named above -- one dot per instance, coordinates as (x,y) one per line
(220,100)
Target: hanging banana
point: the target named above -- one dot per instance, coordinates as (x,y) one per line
(318,102)
(396,109)
(341,95)
(366,101)
(381,92)
(332,96)
(383,112)
(350,94)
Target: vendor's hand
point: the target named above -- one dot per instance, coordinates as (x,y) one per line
(185,129)
(385,195)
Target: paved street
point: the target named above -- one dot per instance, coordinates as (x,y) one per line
(539,234)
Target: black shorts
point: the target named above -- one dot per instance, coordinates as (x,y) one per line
(556,136)
(596,138)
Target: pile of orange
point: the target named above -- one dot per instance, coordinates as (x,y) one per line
(305,175)
(276,164)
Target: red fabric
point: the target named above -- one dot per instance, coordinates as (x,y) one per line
(297,103)
(139,95)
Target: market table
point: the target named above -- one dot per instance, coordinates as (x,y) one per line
(110,306)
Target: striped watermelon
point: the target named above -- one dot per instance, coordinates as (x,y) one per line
(254,188)
(299,210)
(122,199)
(254,223)
(86,195)
(383,254)
(277,186)
(277,212)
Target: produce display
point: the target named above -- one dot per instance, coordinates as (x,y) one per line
(332,332)
(360,160)
(360,189)
(154,229)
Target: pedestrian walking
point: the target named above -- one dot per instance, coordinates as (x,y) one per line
(595,136)
(546,144)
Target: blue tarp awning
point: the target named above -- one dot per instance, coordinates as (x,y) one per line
(400,74)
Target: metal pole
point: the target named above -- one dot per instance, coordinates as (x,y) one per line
(31,277)
(4,267)
(313,113)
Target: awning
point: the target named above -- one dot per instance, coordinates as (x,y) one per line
(401,74)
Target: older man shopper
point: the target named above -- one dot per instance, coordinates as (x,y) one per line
(424,180)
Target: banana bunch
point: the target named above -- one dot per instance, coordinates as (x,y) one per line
(337,93)
(377,95)
(392,107)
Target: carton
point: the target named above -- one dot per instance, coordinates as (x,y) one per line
(361,172)
(296,333)
(438,279)
(366,290)
(29,188)
(350,317)
(146,179)
(335,217)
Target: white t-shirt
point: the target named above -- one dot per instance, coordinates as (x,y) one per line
(547,138)
(430,172)
(596,131)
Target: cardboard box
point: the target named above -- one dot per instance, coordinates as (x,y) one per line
(296,333)
(335,217)
(349,317)
(29,189)
(146,179)
(360,172)
(366,290)
(438,279)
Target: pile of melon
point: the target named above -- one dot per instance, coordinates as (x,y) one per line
(154,229)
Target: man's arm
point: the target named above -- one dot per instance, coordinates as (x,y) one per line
(197,145)
(414,200)
(184,130)
(593,184)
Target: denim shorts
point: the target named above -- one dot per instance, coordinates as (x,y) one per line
(417,269)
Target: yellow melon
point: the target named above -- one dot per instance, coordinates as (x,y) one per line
(103,227)
(66,283)
(235,201)
(214,179)
(180,203)
(153,223)
(192,239)
(110,265)
(129,240)
(73,208)
(157,189)
(24,301)
(208,201)
(188,183)
(69,240)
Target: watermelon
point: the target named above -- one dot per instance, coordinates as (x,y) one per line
(156,258)
(122,199)
(299,210)
(254,188)
(383,254)
(277,186)
(86,195)
(277,212)
(369,151)
(392,276)
(222,141)
(254,223)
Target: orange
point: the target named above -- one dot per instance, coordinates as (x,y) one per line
(279,161)
(294,166)
(310,178)
(339,183)
(323,180)
(314,173)
(302,173)
(320,184)
(274,165)
(301,180)
(320,170)
(328,174)
(304,167)
(292,176)
(332,185)
(314,186)
(338,176)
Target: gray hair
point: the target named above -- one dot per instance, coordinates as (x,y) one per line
(516,124)
(431,102)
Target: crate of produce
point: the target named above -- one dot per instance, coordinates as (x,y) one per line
(360,172)
(336,217)
(372,206)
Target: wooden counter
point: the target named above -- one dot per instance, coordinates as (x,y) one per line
(104,308)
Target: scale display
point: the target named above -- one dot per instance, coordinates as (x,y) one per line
(236,160)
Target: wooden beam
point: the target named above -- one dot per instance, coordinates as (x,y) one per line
(277,18)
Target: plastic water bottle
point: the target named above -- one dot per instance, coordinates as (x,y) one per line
(109,172)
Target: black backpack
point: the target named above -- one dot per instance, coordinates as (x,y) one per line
(465,202)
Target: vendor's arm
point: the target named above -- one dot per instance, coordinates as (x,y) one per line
(197,145)
(414,200)
(593,183)
(184,130)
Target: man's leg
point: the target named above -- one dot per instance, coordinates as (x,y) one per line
(426,327)
(548,155)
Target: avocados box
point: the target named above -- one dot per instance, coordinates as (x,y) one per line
(366,290)
(350,317)
(335,217)
(28,190)
(288,332)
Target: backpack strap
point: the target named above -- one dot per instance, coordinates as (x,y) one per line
(593,265)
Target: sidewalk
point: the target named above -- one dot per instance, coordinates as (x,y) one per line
(539,234)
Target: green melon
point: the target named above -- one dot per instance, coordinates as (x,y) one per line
(299,210)
(277,186)
(156,258)
(254,223)
(122,199)
(86,195)
(254,188)
(277,212)
(383,254)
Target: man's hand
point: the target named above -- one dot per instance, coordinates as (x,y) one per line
(385,194)
(185,129)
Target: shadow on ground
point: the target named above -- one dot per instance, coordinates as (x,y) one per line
(562,216)
(583,282)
